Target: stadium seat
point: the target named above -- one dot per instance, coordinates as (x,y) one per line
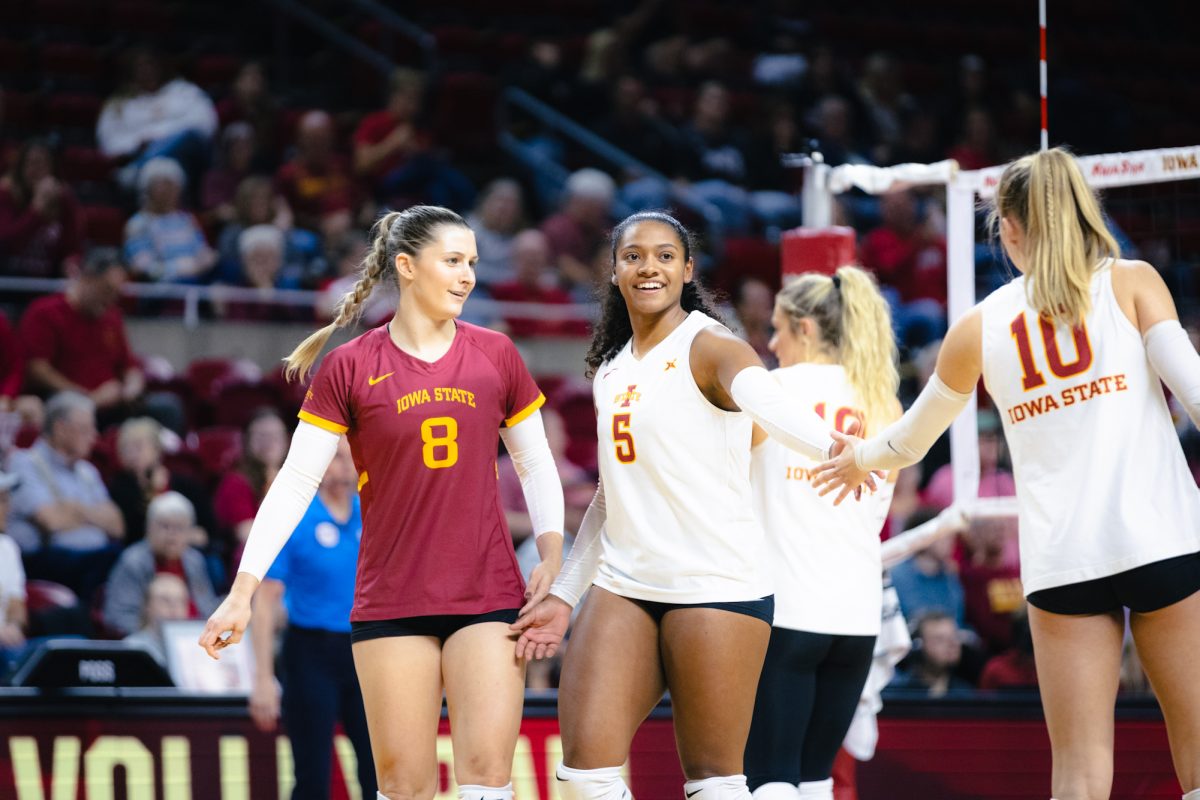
(43,595)
(237,401)
(84,164)
(204,375)
(104,225)
(218,449)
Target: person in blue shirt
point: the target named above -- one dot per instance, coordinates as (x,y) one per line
(314,577)
(928,580)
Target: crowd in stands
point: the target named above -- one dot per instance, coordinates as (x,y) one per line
(135,491)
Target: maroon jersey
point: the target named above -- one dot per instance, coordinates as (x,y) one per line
(424,436)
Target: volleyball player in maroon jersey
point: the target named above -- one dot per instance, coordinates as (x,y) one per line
(422,401)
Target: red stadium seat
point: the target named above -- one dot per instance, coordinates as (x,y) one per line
(237,401)
(218,449)
(84,164)
(104,225)
(43,595)
(205,375)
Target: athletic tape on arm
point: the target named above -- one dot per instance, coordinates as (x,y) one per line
(1175,360)
(289,496)
(908,439)
(529,449)
(758,394)
(579,568)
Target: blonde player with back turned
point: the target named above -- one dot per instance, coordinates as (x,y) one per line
(1072,352)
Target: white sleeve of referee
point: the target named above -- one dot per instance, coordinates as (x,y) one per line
(289,496)
(908,439)
(759,394)
(529,449)
(1175,360)
(579,568)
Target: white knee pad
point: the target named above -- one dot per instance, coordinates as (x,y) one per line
(1194,794)
(474,792)
(776,790)
(605,783)
(723,787)
(817,790)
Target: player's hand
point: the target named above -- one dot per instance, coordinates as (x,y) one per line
(231,617)
(540,581)
(542,628)
(264,703)
(840,473)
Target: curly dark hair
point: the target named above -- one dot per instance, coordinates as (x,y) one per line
(614,329)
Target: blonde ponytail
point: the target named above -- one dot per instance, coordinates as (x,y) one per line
(867,346)
(374,266)
(855,324)
(1066,238)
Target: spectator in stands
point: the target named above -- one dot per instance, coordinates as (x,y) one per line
(929,580)
(163,242)
(534,282)
(991,582)
(143,476)
(166,599)
(233,166)
(886,103)
(317,182)
(264,445)
(12,377)
(347,257)
(753,305)
(1014,668)
(635,125)
(13,618)
(580,227)
(258,203)
(714,156)
(170,524)
(395,155)
(76,340)
(153,115)
(250,102)
(994,480)
(41,226)
(937,653)
(261,251)
(496,219)
(919,143)
(908,254)
(832,123)
(977,147)
(62,516)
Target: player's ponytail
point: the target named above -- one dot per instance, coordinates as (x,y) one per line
(1066,238)
(855,327)
(394,233)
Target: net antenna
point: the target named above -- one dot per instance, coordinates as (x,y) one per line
(965,189)
(1042,73)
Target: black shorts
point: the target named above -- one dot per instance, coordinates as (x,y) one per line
(1142,589)
(763,608)
(443,626)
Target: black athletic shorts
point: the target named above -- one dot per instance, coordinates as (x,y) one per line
(763,608)
(1142,589)
(443,626)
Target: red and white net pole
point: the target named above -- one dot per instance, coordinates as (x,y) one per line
(1042,72)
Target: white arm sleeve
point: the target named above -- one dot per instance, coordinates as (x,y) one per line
(529,448)
(289,496)
(579,568)
(903,546)
(908,439)
(1175,360)
(758,394)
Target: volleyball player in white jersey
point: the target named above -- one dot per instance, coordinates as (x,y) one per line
(681,599)
(1072,353)
(833,338)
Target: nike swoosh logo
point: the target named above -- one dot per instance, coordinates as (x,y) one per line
(691,794)
(372,380)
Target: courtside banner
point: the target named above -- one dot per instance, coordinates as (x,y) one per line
(1111,169)
(204,749)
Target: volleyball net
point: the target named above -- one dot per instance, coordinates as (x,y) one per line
(1151,197)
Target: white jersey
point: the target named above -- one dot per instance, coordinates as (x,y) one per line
(1102,485)
(824,559)
(680,524)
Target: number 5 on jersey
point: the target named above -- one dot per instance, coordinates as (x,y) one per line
(623,439)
